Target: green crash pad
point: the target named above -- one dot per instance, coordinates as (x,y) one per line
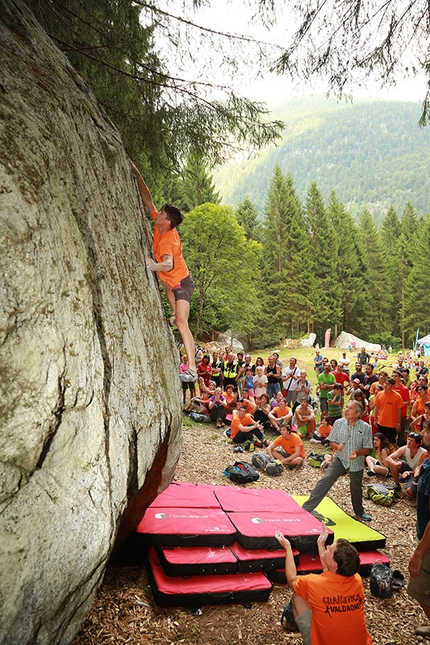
(343,525)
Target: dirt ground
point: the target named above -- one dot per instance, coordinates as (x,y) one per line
(124,610)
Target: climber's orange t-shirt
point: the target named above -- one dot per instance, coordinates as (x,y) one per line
(169,243)
(337,608)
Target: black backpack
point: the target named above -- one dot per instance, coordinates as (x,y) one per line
(381,580)
(263,461)
(241,473)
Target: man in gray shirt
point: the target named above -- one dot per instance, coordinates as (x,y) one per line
(351,440)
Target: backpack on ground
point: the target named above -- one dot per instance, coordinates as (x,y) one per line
(264,462)
(381,495)
(381,580)
(241,473)
(315,459)
(200,418)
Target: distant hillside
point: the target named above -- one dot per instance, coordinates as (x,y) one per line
(372,152)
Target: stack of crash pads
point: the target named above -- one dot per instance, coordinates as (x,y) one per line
(216,544)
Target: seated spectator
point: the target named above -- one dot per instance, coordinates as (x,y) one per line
(248,401)
(244,428)
(378,465)
(304,416)
(260,381)
(204,370)
(230,398)
(405,463)
(321,433)
(275,401)
(281,413)
(288,448)
(183,368)
(261,413)
(200,404)
(217,407)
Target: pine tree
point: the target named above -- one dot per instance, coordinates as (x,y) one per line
(348,268)
(327,289)
(374,276)
(196,185)
(417,311)
(248,218)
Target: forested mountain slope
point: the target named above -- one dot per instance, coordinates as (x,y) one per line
(372,152)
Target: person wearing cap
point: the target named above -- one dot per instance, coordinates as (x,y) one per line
(344,361)
(170,265)
(405,463)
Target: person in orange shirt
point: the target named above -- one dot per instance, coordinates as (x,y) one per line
(281,413)
(388,411)
(171,266)
(292,451)
(327,608)
(244,428)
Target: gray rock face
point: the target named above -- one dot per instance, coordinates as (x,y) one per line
(89,394)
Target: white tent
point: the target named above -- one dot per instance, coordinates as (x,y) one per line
(425,340)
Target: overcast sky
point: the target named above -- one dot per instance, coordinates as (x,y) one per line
(234,16)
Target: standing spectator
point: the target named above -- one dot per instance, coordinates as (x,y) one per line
(341,377)
(216,368)
(363,357)
(318,362)
(229,369)
(344,360)
(204,370)
(421,399)
(351,438)
(273,374)
(369,379)
(248,382)
(281,367)
(240,372)
(358,373)
(303,388)
(372,400)
(260,382)
(183,369)
(404,393)
(419,564)
(388,411)
(290,377)
(335,403)
(326,382)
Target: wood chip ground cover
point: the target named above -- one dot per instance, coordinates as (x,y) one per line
(124,610)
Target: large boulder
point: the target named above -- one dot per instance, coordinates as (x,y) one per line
(345,340)
(90,398)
